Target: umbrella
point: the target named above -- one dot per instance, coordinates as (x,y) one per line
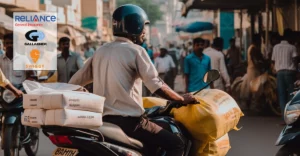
(195,27)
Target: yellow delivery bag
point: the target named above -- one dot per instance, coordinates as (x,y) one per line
(150,102)
(216,115)
(219,147)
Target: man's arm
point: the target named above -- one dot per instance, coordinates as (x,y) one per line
(151,80)
(4,82)
(84,75)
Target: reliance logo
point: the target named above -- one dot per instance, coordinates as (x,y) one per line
(35,18)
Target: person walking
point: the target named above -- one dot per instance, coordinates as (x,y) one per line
(234,57)
(218,63)
(285,59)
(165,66)
(196,65)
(68,63)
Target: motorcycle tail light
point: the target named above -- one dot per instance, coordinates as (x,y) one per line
(60,140)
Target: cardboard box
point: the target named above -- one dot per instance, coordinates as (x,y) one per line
(29,4)
(73,118)
(33,117)
(48,7)
(12,2)
(64,100)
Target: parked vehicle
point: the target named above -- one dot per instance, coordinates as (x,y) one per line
(290,135)
(15,136)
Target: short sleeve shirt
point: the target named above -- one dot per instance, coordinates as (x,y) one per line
(196,68)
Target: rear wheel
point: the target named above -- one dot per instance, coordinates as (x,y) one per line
(11,140)
(32,147)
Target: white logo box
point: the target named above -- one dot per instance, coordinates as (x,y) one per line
(64,100)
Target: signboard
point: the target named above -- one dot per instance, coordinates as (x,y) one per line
(35,41)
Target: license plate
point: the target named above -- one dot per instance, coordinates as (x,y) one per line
(65,152)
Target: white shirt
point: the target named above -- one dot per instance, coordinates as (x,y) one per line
(16,77)
(218,63)
(117,70)
(283,55)
(164,64)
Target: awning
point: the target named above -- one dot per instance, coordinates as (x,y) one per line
(195,27)
(222,4)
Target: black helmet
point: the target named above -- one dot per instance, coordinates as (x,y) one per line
(129,19)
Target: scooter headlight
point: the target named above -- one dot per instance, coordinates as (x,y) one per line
(291,113)
(8,96)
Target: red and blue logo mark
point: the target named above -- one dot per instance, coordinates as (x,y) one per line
(36,18)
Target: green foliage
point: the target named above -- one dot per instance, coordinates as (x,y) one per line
(151,9)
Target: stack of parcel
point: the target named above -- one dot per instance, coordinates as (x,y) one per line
(59,104)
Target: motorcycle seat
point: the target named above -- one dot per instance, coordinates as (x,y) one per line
(115,135)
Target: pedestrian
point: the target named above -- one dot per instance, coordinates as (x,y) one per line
(234,57)
(285,59)
(118,69)
(7,61)
(68,63)
(255,66)
(196,65)
(89,51)
(218,63)
(165,66)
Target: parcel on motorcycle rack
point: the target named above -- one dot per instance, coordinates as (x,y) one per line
(216,115)
(53,106)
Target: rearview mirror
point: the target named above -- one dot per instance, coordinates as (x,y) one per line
(211,75)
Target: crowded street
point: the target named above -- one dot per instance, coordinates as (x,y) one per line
(149,77)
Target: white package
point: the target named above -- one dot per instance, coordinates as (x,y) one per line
(33,117)
(65,100)
(73,118)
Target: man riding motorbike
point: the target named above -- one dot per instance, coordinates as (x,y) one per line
(118,69)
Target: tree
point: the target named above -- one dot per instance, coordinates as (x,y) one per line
(152,10)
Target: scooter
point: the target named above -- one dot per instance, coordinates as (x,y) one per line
(110,140)
(290,135)
(15,136)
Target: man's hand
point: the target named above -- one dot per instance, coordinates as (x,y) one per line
(189,99)
(18,93)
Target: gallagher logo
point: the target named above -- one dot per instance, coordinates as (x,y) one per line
(35,35)
(36,18)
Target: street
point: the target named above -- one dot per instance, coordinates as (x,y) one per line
(256,137)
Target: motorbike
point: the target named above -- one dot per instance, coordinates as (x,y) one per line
(15,136)
(110,140)
(290,135)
